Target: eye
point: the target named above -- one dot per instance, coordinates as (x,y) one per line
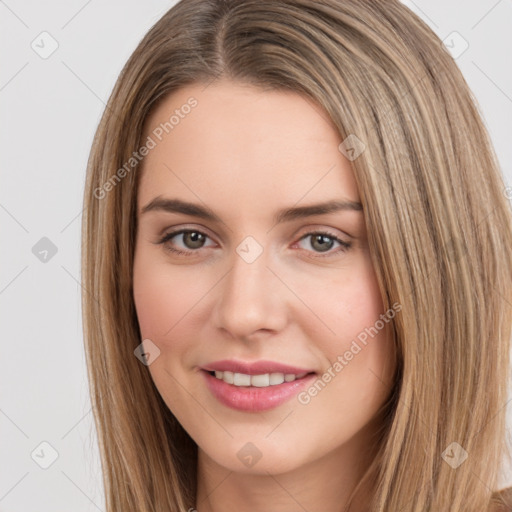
(192,240)
(323,242)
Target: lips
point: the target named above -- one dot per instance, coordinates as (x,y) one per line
(256,386)
(255,368)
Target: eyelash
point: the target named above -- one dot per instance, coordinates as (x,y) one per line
(344,246)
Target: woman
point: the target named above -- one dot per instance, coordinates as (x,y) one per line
(296,254)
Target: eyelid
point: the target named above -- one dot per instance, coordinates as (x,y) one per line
(315,228)
(168,235)
(319,228)
(185,227)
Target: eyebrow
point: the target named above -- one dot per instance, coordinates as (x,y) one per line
(285,215)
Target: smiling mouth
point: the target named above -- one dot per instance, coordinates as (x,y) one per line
(258,381)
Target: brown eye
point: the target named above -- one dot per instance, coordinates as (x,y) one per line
(320,242)
(191,241)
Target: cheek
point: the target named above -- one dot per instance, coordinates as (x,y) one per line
(163,295)
(353,339)
(343,306)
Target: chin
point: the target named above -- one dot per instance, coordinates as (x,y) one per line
(258,457)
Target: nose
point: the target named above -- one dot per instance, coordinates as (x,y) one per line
(251,300)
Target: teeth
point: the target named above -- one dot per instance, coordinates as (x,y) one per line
(241,379)
(276,378)
(226,377)
(258,381)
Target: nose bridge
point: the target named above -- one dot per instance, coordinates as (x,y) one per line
(250,297)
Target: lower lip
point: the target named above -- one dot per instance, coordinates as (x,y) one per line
(252,398)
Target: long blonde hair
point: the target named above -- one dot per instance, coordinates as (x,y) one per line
(438,222)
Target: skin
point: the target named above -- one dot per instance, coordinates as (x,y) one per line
(246,154)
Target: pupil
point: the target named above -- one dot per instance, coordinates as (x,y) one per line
(196,239)
(325,242)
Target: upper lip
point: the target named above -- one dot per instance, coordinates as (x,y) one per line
(254,368)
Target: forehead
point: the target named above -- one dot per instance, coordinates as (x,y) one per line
(233,141)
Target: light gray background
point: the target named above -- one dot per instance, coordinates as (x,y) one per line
(50,110)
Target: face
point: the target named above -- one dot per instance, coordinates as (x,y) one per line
(271,341)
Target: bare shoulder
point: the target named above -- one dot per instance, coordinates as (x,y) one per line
(501,501)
